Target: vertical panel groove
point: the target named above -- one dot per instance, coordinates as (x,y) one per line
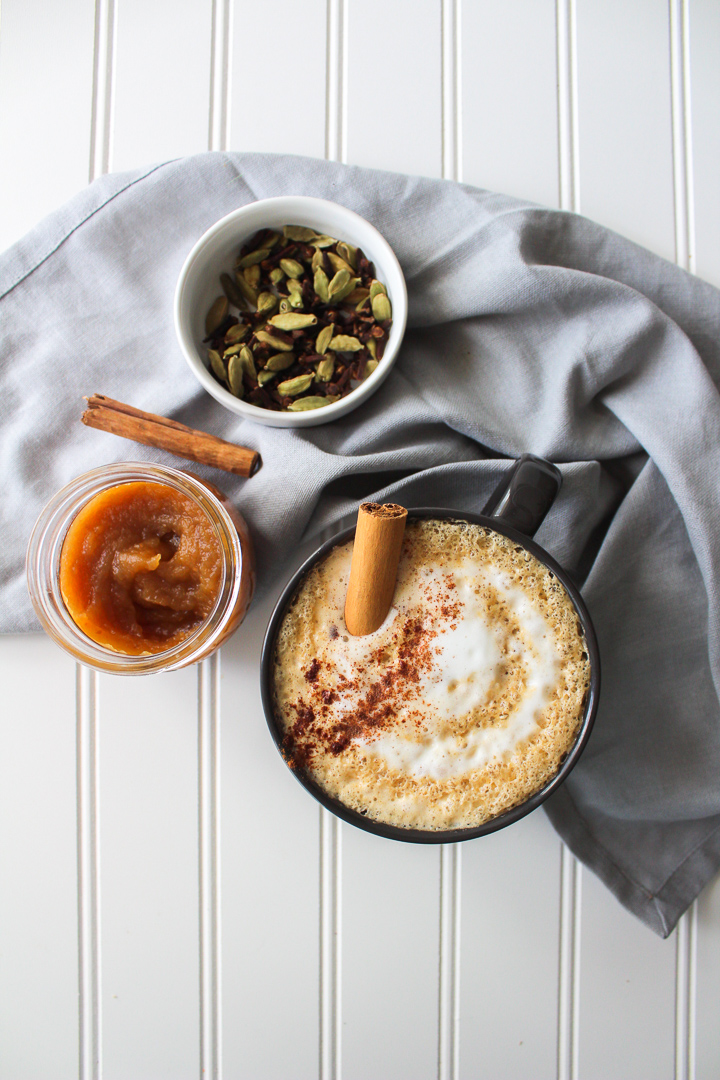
(209,867)
(330,986)
(450,854)
(570,871)
(451,89)
(103,92)
(449,963)
(448,1041)
(685,992)
(336,81)
(684,212)
(88,862)
(88,853)
(567,104)
(220,75)
(682,135)
(569,965)
(209,669)
(330,946)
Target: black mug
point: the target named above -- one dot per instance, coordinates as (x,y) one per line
(516,509)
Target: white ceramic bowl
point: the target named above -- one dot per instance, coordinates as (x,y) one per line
(215,253)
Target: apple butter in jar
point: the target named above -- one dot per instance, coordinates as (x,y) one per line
(138,568)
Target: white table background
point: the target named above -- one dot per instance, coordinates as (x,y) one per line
(172,903)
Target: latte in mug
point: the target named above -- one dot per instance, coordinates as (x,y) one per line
(462,705)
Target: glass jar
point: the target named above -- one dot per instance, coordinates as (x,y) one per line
(43,569)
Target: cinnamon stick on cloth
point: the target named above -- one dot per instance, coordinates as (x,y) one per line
(375,558)
(130,423)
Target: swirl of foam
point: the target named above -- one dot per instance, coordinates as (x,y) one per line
(459,706)
(494,677)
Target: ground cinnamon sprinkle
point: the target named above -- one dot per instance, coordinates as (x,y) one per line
(312,672)
(375,711)
(297,748)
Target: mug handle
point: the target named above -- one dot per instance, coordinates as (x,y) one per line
(524,496)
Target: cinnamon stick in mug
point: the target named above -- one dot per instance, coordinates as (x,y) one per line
(375,558)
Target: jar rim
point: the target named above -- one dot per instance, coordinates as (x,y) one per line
(43,561)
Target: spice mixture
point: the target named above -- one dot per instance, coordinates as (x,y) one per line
(312,322)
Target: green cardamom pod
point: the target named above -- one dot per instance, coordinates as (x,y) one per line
(293,321)
(348,253)
(217,365)
(299,232)
(339,264)
(265,377)
(310,402)
(292,268)
(276,275)
(248,292)
(325,369)
(253,258)
(295,294)
(317,260)
(345,343)
(248,362)
(284,306)
(276,342)
(293,387)
(252,276)
(324,338)
(341,279)
(217,314)
(320,284)
(279,361)
(377,287)
(370,367)
(381,307)
(232,350)
(238,332)
(372,348)
(235,376)
(231,291)
(343,292)
(267,302)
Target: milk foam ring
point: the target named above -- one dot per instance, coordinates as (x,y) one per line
(461,705)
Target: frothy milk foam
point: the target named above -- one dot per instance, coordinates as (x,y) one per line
(461,705)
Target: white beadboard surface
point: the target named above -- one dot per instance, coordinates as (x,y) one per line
(172,904)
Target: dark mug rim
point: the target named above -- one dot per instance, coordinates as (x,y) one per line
(436,836)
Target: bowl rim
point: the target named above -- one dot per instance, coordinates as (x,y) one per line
(398,293)
(436,836)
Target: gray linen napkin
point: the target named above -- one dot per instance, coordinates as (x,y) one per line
(530,330)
